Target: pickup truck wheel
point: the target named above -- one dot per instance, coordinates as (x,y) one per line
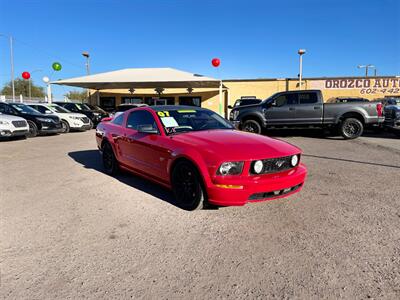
(33,130)
(64,126)
(187,186)
(251,126)
(110,163)
(351,128)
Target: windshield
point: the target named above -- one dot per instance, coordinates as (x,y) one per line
(184,120)
(83,107)
(95,107)
(59,109)
(24,109)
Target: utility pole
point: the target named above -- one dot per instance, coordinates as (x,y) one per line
(301,52)
(86,55)
(12,67)
(366,68)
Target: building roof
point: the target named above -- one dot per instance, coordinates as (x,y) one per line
(141,78)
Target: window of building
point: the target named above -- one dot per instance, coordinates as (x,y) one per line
(191,101)
(159,101)
(132,100)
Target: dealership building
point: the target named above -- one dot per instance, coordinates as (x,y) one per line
(158,86)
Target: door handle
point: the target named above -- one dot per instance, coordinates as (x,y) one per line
(292,108)
(317,107)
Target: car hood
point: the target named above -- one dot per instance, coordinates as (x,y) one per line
(236,145)
(74,115)
(10,118)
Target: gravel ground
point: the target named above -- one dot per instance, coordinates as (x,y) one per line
(69,231)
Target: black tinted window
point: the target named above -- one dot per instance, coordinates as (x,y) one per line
(141,117)
(307,98)
(119,119)
(287,99)
(40,108)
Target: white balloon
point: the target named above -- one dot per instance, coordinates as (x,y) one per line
(46,79)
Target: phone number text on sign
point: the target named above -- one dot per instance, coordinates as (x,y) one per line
(380,91)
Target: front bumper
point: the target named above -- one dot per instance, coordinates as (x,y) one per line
(50,128)
(17,132)
(82,126)
(236,124)
(256,188)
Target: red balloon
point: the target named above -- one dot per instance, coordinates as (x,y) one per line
(216,62)
(26,75)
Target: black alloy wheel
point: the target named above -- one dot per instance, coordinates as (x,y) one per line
(351,128)
(65,126)
(33,130)
(187,186)
(251,126)
(110,163)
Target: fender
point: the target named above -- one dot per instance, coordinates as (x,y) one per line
(257,115)
(360,112)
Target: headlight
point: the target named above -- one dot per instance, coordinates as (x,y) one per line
(4,123)
(235,114)
(398,114)
(96,114)
(230,168)
(294,160)
(258,167)
(46,120)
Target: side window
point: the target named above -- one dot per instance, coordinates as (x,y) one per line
(3,108)
(71,107)
(40,108)
(308,98)
(139,118)
(280,101)
(118,120)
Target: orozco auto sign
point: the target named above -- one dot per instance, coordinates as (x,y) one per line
(365,85)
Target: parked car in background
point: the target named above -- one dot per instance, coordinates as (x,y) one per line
(392,115)
(95,115)
(126,106)
(69,120)
(347,99)
(184,148)
(305,109)
(38,123)
(245,101)
(390,101)
(11,126)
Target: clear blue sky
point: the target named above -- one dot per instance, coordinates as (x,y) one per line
(252,38)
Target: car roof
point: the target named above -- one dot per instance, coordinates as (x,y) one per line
(174,107)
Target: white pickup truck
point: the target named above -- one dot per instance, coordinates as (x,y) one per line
(12,126)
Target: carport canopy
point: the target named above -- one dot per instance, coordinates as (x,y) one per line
(141,78)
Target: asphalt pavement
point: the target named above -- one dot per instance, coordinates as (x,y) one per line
(69,231)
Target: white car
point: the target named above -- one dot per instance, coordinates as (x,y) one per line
(69,120)
(13,126)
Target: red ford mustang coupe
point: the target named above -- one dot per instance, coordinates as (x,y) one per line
(200,156)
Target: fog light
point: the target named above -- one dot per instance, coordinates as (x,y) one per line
(258,166)
(294,161)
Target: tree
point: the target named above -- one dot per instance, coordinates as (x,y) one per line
(22,88)
(76,95)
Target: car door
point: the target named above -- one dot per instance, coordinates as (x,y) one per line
(282,110)
(143,151)
(309,109)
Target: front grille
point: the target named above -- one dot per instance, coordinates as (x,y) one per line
(390,114)
(273,194)
(19,123)
(85,119)
(273,165)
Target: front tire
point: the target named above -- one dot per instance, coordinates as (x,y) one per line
(110,163)
(351,128)
(33,130)
(252,126)
(188,187)
(65,126)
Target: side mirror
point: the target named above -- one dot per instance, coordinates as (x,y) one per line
(147,128)
(108,119)
(48,112)
(230,106)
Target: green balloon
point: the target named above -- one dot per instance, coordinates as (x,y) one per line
(57,66)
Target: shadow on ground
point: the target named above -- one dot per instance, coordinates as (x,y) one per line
(91,159)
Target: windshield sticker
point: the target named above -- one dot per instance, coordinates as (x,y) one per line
(169,121)
(163,113)
(183,111)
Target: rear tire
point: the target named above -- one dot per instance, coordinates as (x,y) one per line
(65,126)
(33,130)
(110,163)
(351,128)
(252,126)
(188,187)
